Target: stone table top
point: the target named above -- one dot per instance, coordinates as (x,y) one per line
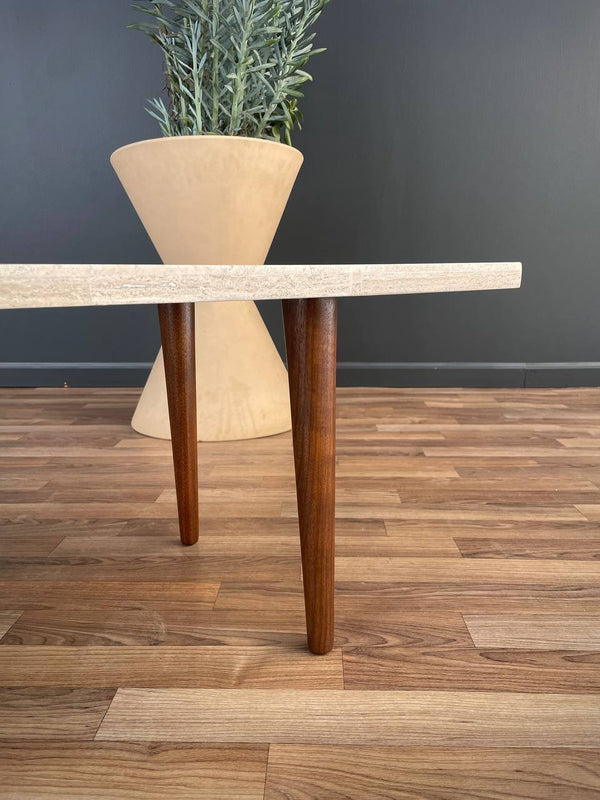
(62,285)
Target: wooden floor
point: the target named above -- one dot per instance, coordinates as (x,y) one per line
(467,658)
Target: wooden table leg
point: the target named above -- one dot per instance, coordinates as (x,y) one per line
(177,333)
(310,335)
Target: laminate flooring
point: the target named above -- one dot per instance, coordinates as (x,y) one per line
(467,654)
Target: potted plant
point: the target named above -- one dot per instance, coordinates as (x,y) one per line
(213,188)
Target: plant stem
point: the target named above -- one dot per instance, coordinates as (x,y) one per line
(279,90)
(194,40)
(215,70)
(240,78)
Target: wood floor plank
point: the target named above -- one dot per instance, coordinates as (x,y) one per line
(150,625)
(9,463)
(464,719)
(140,454)
(109,622)
(435,570)
(422,596)
(87,431)
(12,480)
(12,545)
(566,550)
(393,467)
(215,546)
(103,594)
(506,452)
(458,512)
(236,545)
(135,494)
(389,547)
(121,771)
(591,511)
(465,667)
(22,529)
(239,494)
(242,527)
(52,713)
(487,430)
(579,441)
(210,667)
(321,772)
(7,620)
(508,489)
(536,631)
(427,530)
(185,568)
(122,510)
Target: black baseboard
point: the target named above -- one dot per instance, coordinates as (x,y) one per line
(74,374)
(388,374)
(470,374)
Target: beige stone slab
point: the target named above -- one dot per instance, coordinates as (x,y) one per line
(44,285)
(57,285)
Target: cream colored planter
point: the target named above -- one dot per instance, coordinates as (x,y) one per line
(215,200)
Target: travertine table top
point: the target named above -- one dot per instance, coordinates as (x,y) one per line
(58,285)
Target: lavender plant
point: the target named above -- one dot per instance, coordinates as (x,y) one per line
(232,67)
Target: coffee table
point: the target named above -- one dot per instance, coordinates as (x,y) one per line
(309,299)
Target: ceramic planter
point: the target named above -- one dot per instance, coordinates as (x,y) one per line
(215,200)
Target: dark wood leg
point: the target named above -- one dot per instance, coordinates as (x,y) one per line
(177,333)
(310,335)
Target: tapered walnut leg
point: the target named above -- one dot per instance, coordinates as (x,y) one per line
(310,335)
(177,333)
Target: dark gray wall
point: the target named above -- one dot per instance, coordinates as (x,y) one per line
(436,130)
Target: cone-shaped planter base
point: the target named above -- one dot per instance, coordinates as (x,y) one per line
(242,389)
(215,200)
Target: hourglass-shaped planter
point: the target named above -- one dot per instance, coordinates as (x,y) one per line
(215,200)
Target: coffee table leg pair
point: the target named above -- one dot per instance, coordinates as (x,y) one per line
(310,335)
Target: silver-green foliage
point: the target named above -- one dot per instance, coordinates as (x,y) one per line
(233,67)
